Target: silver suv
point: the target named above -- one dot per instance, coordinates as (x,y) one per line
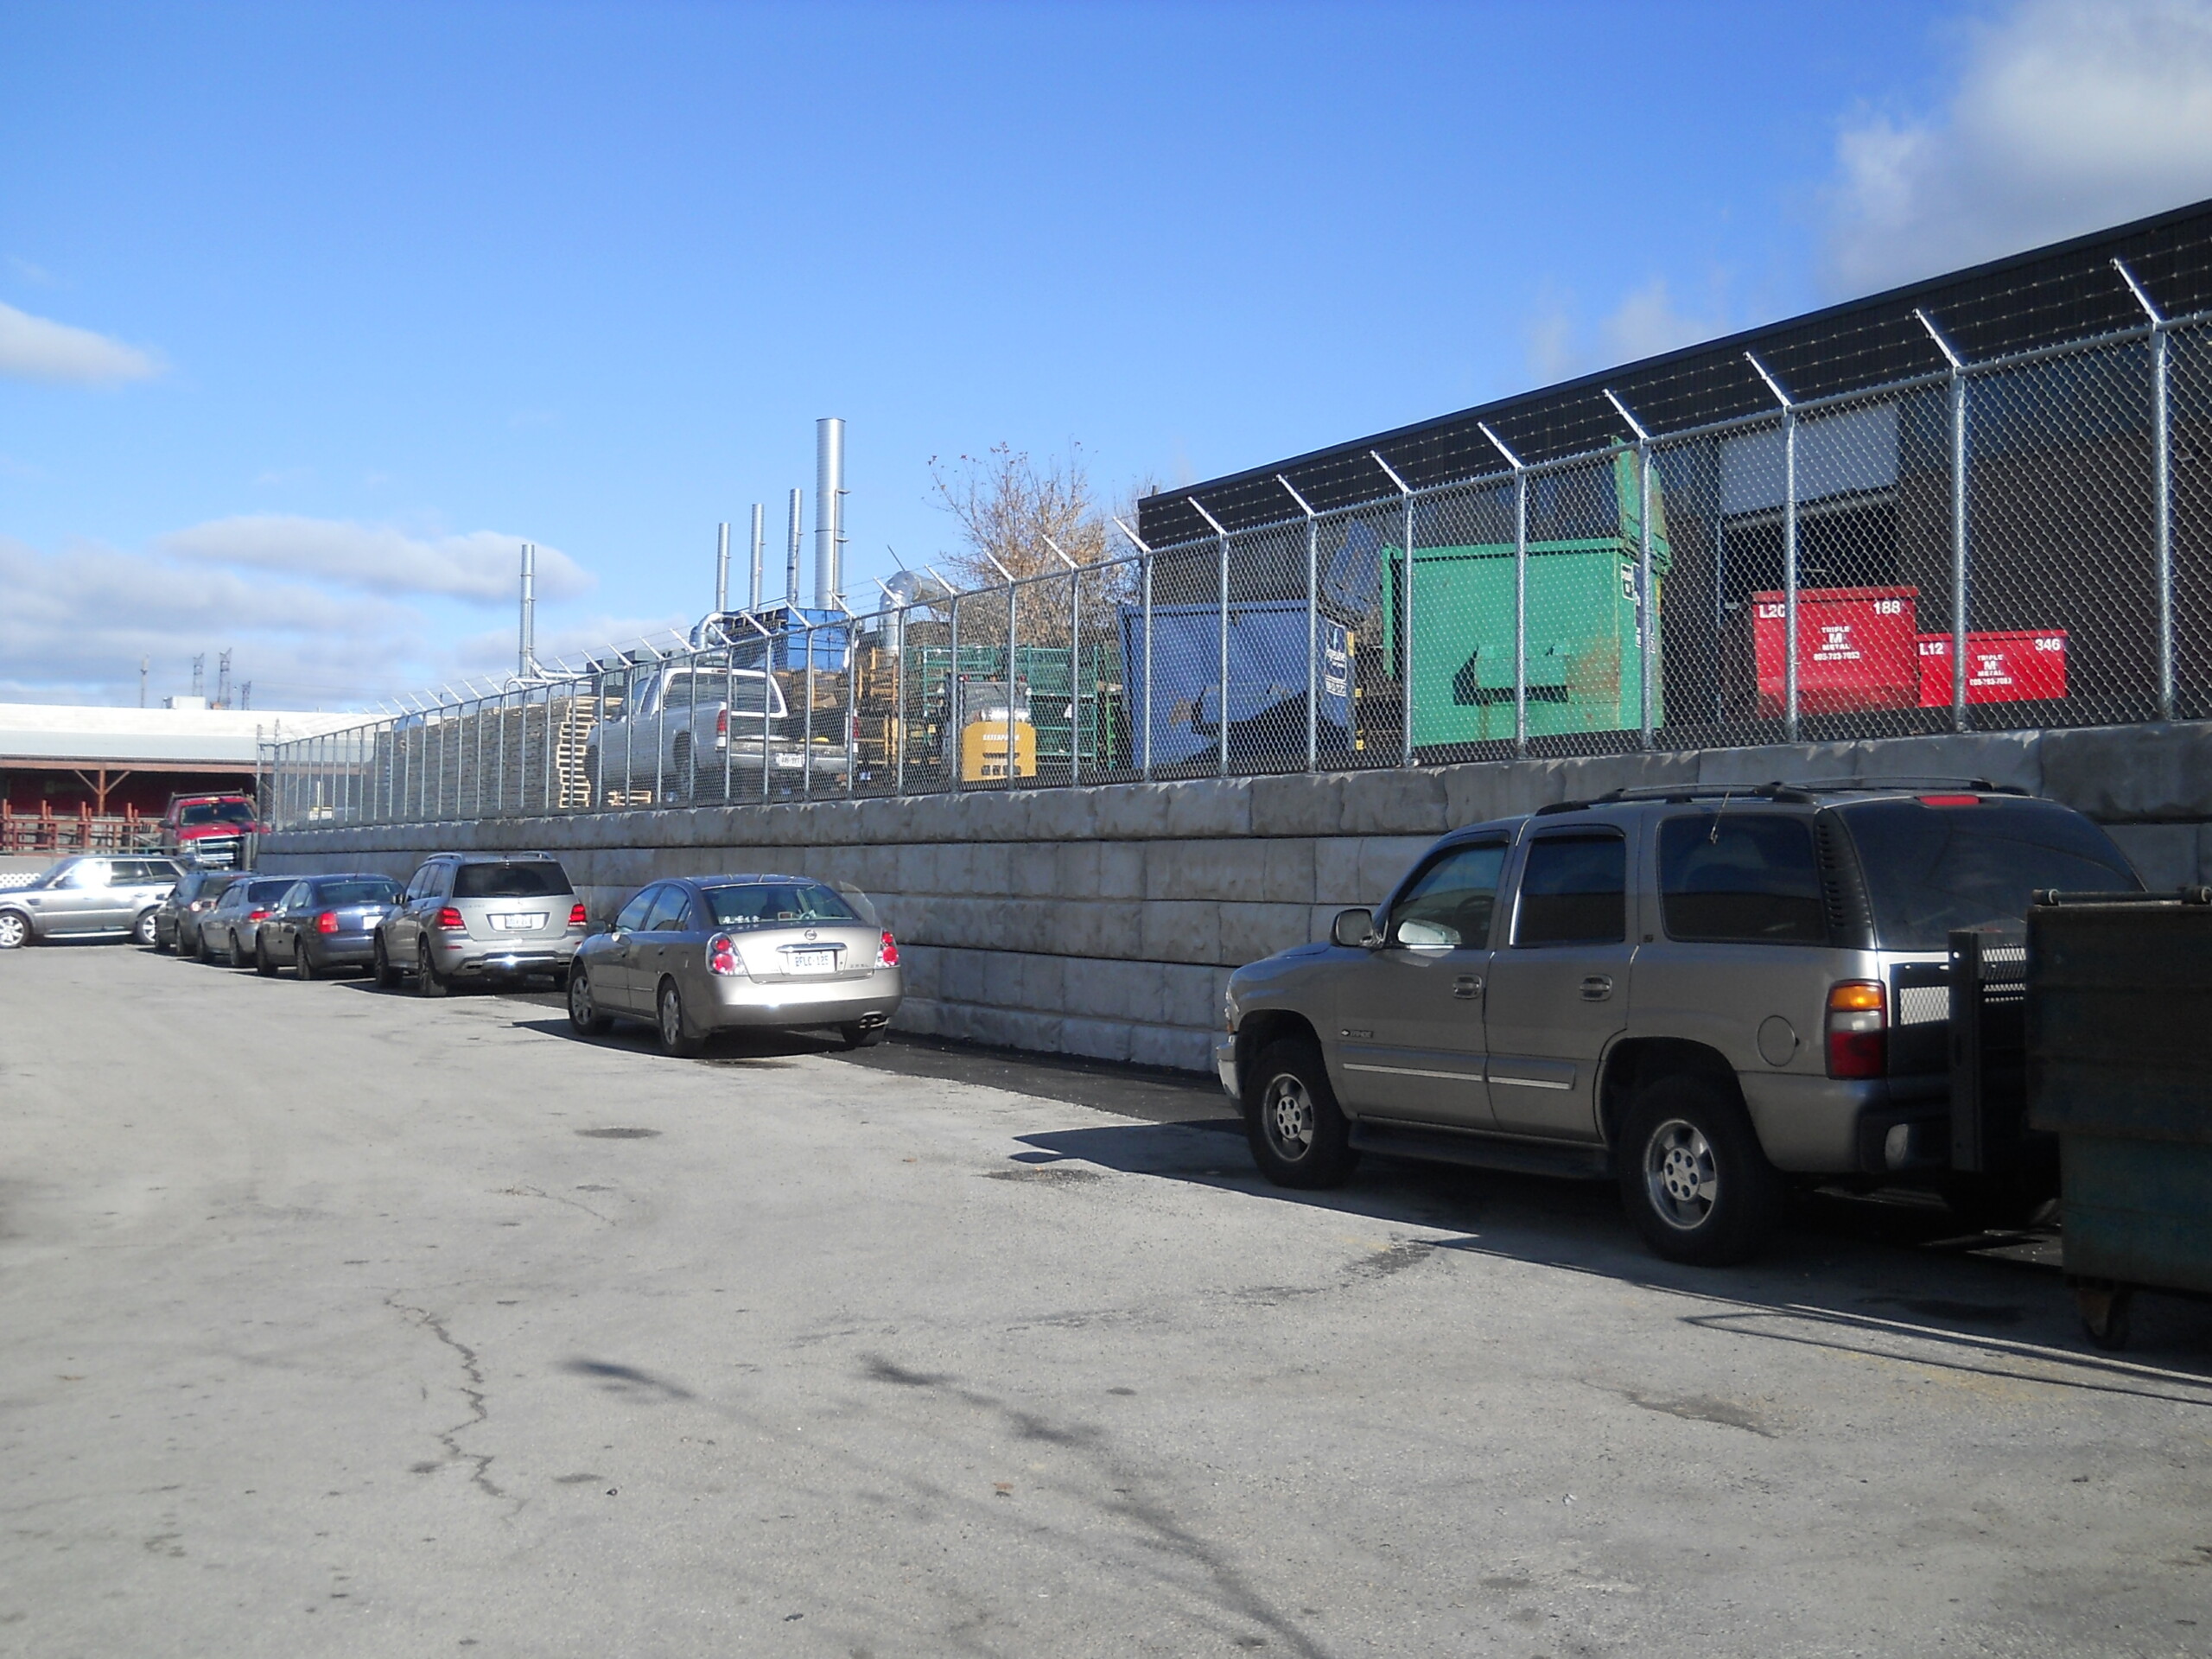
(480,916)
(87,896)
(1701,993)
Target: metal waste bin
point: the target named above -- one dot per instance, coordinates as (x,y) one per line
(2120,997)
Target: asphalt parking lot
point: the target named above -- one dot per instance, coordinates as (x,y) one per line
(343,1323)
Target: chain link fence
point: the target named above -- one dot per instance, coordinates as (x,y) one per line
(2022,543)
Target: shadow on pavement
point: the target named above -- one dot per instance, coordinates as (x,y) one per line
(1889,1273)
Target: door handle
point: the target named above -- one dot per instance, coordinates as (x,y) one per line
(1467,985)
(1597,988)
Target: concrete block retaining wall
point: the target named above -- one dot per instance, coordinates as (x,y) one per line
(1104,921)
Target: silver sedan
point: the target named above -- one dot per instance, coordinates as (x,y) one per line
(712,953)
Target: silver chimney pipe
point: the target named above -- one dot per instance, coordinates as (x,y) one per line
(790,561)
(722,569)
(753,593)
(829,509)
(526,639)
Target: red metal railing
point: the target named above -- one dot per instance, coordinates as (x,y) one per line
(81,831)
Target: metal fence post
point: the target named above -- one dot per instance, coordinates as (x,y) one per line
(956,709)
(852,699)
(1789,548)
(728,722)
(1313,628)
(1959,613)
(1013,628)
(1144,580)
(806,751)
(1075,661)
(2162,484)
(1405,608)
(1520,590)
(1647,609)
(1221,712)
(898,704)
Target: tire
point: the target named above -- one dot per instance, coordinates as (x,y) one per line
(161,946)
(388,978)
(15,930)
(142,931)
(585,1017)
(302,968)
(201,950)
(1693,1177)
(1299,1134)
(264,963)
(429,982)
(232,956)
(672,1025)
(853,1037)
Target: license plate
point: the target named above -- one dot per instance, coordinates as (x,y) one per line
(812,961)
(790,762)
(515,923)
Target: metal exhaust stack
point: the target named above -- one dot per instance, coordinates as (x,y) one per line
(791,557)
(829,510)
(526,635)
(753,593)
(722,569)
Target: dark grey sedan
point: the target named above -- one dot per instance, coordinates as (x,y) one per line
(227,931)
(713,953)
(325,923)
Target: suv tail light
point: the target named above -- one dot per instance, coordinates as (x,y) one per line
(326,923)
(450,920)
(722,958)
(722,722)
(577,918)
(887,954)
(1857,1029)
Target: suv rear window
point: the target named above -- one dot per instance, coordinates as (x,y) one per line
(539,878)
(1932,868)
(1740,878)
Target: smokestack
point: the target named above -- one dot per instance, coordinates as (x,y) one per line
(526,633)
(828,509)
(223,679)
(790,567)
(722,569)
(759,547)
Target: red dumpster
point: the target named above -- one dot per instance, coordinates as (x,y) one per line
(2007,665)
(1855,649)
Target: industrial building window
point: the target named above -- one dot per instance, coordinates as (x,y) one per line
(1740,878)
(1574,891)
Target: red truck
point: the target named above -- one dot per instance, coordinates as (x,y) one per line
(210,830)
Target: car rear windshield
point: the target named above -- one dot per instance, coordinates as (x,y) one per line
(777,903)
(1933,868)
(262,892)
(540,878)
(216,812)
(362,890)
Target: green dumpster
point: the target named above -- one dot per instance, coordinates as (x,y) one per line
(2120,994)
(1584,656)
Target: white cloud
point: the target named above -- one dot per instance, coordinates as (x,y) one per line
(480,566)
(1645,323)
(38,348)
(2068,116)
(77,622)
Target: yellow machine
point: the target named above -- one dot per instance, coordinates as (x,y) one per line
(983,750)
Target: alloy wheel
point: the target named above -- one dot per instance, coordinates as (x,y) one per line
(14,930)
(1288,1116)
(1681,1175)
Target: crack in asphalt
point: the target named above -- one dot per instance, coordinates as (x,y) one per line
(539,1192)
(473,1391)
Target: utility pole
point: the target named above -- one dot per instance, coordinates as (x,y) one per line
(200,675)
(223,678)
(245,695)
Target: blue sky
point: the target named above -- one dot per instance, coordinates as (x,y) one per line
(308,313)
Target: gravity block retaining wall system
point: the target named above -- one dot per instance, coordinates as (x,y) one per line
(1104,921)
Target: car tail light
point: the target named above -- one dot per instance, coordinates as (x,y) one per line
(199,905)
(326,923)
(722,722)
(577,918)
(256,915)
(721,956)
(450,920)
(1858,1034)
(887,954)
(1950,800)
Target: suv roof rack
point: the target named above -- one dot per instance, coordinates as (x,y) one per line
(1794,793)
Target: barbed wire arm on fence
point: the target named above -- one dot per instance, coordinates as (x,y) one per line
(1790,661)
(1959,613)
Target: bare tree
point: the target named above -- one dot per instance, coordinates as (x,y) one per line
(1011,511)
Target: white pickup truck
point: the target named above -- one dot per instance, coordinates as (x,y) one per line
(682,730)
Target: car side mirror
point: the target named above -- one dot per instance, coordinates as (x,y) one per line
(1353,929)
